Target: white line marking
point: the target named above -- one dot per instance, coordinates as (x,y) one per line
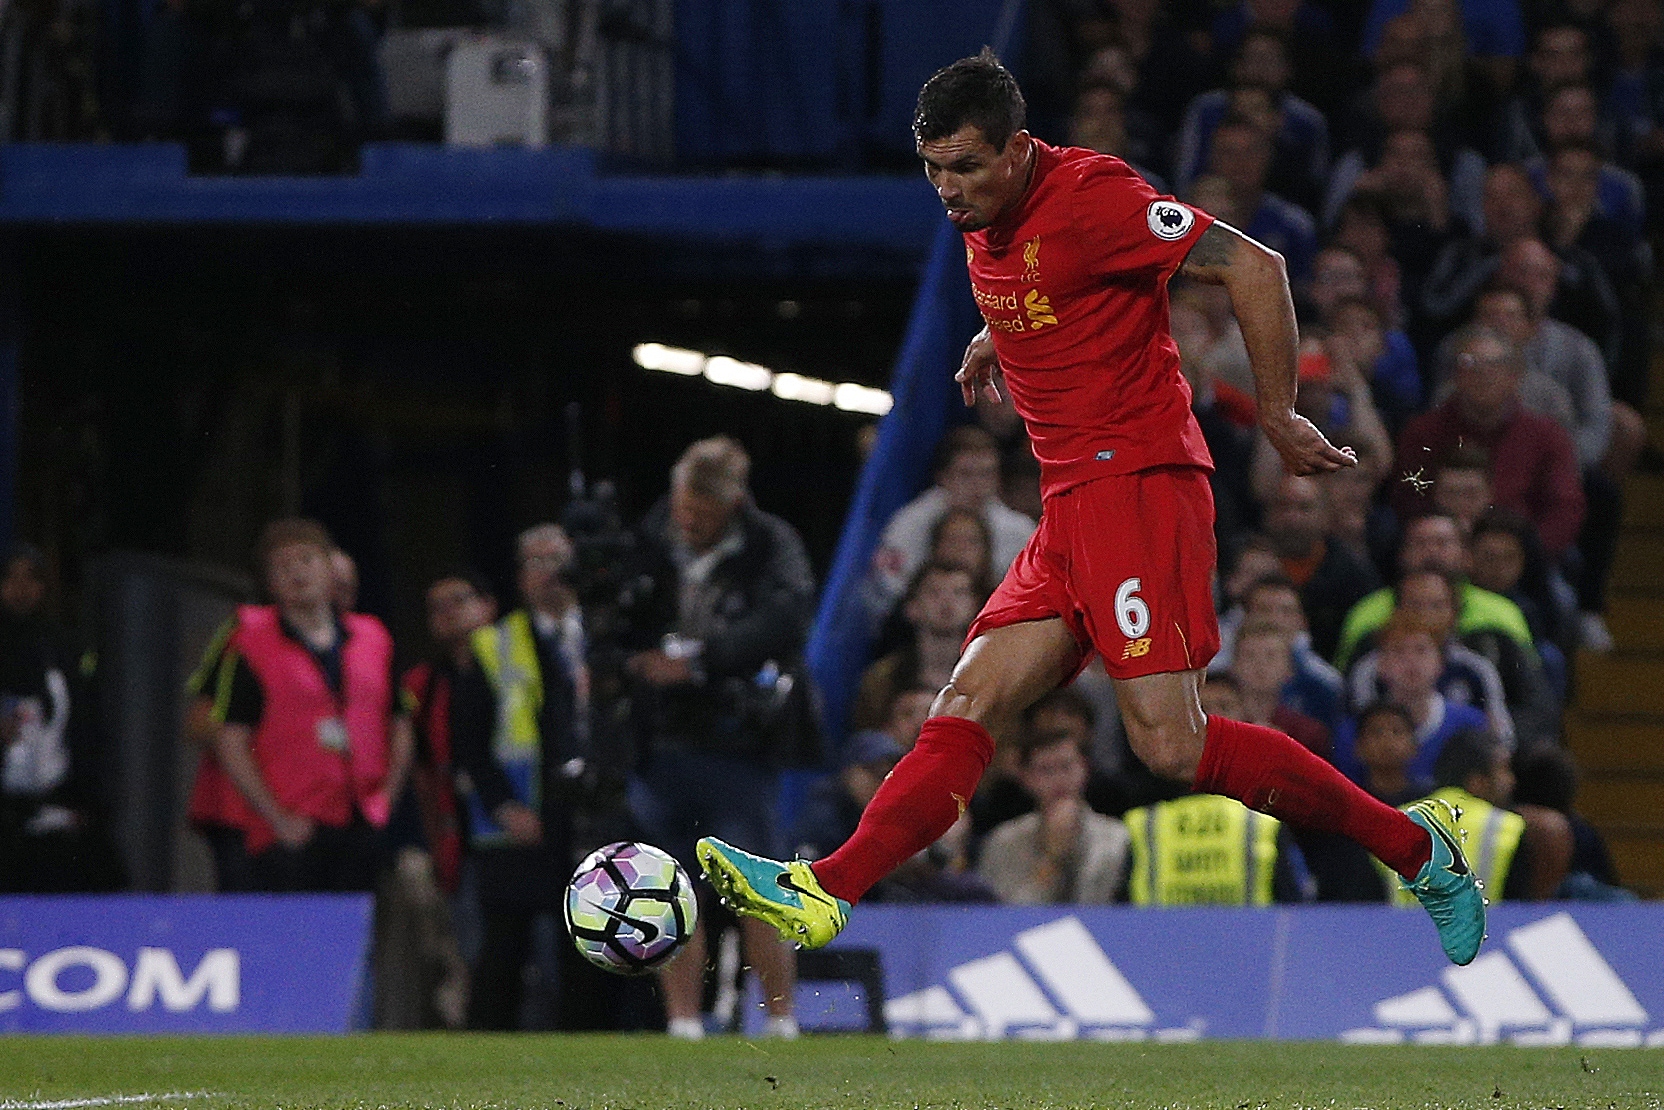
(108,1100)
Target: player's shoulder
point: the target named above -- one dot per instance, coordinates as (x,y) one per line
(1088,168)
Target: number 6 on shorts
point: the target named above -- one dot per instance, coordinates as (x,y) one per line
(1130,611)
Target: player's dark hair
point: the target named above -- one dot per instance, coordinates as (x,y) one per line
(1468,752)
(978,91)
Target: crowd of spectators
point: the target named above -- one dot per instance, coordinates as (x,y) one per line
(1458,189)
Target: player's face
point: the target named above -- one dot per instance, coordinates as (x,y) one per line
(975,182)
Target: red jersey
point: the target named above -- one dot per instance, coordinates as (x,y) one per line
(1073,285)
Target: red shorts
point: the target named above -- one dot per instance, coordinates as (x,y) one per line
(1127,562)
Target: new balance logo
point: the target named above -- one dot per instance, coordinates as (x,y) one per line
(1556,989)
(1057,985)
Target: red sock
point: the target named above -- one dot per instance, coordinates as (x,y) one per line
(919,801)
(1272,772)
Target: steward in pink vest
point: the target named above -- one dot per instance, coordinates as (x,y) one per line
(322,752)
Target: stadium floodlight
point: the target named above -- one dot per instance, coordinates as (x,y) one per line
(742,375)
(851,397)
(672,360)
(796,387)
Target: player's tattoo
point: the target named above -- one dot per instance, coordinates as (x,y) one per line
(1215,250)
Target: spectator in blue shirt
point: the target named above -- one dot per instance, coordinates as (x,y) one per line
(1571,117)
(1404,98)
(1635,95)
(1299,134)
(1410,665)
(1559,57)
(1241,154)
(1315,49)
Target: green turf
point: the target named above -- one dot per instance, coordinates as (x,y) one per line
(392,1071)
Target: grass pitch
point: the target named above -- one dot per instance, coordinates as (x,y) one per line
(394,1072)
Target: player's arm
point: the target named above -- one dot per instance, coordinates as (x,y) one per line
(1257,282)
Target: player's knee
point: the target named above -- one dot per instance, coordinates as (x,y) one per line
(1171,749)
(976,699)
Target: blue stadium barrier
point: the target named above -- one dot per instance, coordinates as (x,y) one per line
(418,184)
(186,964)
(1551,973)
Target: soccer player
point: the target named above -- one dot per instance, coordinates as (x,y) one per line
(1070,253)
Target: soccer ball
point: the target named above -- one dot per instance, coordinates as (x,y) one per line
(630,908)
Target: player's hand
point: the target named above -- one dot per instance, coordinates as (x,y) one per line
(1304,449)
(293,830)
(979,370)
(520,823)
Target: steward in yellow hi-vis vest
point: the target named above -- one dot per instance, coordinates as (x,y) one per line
(1474,776)
(1201,850)
(507,655)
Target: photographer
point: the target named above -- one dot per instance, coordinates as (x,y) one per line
(520,734)
(722,610)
